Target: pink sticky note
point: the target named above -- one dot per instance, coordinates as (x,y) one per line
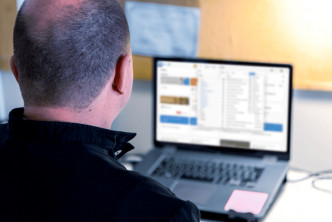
(246,201)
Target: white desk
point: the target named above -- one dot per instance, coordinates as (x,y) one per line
(300,202)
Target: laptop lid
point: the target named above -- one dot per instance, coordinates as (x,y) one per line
(225,106)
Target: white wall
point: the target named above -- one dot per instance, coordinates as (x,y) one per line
(312,130)
(311,140)
(137,116)
(2,101)
(11,91)
(19,3)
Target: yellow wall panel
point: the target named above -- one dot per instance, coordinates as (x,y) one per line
(7,20)
(142,67)
(272,31)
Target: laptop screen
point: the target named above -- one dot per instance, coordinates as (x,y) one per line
(223,104)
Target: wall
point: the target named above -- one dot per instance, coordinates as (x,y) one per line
(7,19)
(12,95)
(2,99)
(288,31)
(311,142)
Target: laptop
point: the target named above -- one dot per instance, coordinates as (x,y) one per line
(221,133)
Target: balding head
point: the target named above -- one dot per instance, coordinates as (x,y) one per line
(66,50)
(53,12)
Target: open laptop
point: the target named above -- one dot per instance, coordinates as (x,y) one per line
(221,133)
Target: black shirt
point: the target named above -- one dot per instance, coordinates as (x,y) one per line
(57,171)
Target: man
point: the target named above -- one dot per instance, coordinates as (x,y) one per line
(58,160)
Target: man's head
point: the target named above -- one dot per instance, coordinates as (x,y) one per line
(66,51)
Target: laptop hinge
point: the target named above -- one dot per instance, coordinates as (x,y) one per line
(269,159)
(169,150)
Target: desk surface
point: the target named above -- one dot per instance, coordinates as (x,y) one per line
(300,202)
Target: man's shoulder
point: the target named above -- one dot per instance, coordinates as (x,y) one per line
(134,185)
(188,212)
(139,198)
(156,201)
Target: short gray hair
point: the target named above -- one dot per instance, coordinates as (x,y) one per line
(68,63)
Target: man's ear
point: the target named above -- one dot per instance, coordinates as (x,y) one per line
(121,74)
(13,67)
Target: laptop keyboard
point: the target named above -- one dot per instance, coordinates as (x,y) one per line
(212,172)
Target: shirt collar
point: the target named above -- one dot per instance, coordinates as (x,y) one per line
(115,142)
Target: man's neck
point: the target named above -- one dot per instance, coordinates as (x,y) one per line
(86,116)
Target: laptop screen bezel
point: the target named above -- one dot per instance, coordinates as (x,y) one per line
(222,149)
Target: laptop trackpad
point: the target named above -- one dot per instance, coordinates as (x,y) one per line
(196,193)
